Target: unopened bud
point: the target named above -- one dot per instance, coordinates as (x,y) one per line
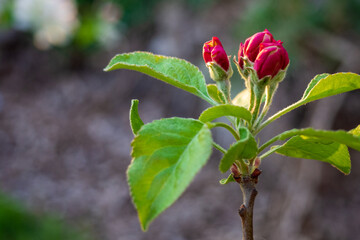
(216,60)
(272,58)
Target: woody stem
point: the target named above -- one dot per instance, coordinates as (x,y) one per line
(247,185)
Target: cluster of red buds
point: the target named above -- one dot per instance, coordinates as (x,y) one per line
(260,52)
(262,62)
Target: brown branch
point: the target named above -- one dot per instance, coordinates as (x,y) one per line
(247,185)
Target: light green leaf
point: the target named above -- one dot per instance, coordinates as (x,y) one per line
(355,131)
(242,99)
(339,136)
(227,180)
(331,85)
(245,148)
(313,82)
(135,120)
(166,154)
(323,85)
(314,148)
(175,71)
(212,113)
(215,93)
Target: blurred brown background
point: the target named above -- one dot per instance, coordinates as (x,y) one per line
(64,129)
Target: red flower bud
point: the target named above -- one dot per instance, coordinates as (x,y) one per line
(271,59)
(213,51)
(251,47)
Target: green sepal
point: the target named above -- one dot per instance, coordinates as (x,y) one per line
(217,73)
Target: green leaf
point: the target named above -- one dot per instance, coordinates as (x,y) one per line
(313,82)
(212,113)
(242,99)
(166,154)
(318,149)
(245,148)
(323,85)
(135,120)
(355,131)
(331,85)
(215,93)
(339,136)
(227,180)
(175,71)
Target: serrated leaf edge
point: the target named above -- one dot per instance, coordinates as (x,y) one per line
(143,226)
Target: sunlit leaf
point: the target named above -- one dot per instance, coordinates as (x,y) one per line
(339,136)
(175,71)
(212,113)
(355,131)
(318,149)
(242,99)
(331,85)
(313,82)
(215,93)
(166,154)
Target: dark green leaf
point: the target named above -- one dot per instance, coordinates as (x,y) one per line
(175,71)
(166,154)
(212,113)
(318,149)
(135,120)
(245,148)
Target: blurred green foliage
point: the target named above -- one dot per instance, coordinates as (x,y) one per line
(99,20)
(16,223)
(135,12)
(292,20)
(6,14)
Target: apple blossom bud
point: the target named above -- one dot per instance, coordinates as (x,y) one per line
(213,52)
(250,48)
(272,58)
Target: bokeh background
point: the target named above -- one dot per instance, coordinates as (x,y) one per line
(65,135)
